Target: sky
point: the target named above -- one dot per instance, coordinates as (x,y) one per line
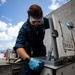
(13,13)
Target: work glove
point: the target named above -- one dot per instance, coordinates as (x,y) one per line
(35,64)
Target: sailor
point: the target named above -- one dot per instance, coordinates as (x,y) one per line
(29,43)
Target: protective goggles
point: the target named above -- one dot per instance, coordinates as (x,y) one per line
(36,21)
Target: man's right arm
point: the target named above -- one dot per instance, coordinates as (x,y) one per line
(22,53)
(21,42)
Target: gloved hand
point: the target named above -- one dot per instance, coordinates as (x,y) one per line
(34,64)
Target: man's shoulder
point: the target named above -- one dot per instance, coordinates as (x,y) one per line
(25,26)
(46,23)
(45,19)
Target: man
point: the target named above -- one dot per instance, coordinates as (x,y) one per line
(29,42)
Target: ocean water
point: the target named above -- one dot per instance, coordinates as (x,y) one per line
(2,51)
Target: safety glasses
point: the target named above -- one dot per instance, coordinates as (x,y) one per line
(36,21)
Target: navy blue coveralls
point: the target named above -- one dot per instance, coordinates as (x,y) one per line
(32,40)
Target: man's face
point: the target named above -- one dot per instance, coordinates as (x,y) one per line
(35,22)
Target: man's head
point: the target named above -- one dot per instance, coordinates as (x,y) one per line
(35,15)
(35,11)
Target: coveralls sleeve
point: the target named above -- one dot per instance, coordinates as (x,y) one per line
(21,39)
(46,23)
